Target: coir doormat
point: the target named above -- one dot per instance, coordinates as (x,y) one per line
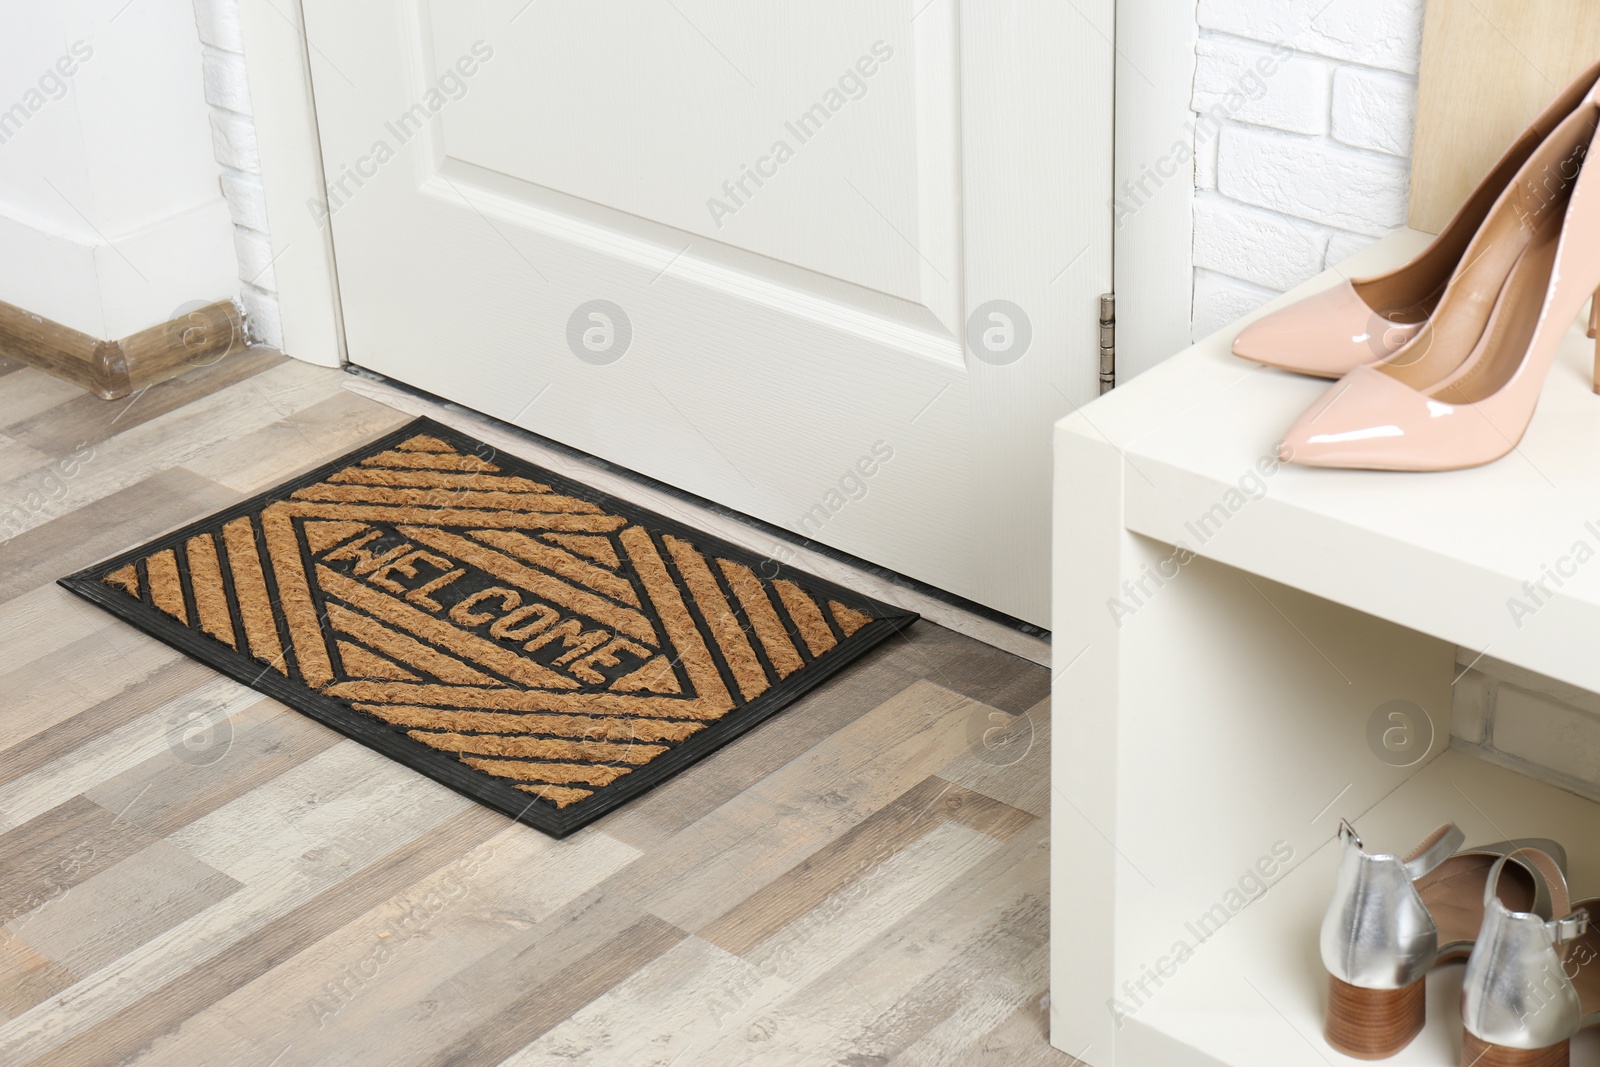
(524,639)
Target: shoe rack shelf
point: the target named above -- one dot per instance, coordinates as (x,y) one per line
(1214,705)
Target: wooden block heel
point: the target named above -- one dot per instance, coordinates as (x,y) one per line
(1476,1052)
(1373,1024)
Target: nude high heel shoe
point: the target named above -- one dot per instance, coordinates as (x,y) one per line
(1445,402)
(1366,319)
(1533,980)
(1392,920)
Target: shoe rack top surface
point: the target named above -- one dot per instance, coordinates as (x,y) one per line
(1502,559)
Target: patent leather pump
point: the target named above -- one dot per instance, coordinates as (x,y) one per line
(1463,391)
(1366,319)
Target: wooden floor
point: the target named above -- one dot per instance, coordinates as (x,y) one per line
(860,881)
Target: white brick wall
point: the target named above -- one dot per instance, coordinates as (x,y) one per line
(233,136)
(1219,300)
(1374,109)
(1303,145)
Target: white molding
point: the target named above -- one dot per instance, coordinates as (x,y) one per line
(1154,243)
(827,301)
(291,173)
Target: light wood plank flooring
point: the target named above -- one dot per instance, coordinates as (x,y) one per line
(860,881)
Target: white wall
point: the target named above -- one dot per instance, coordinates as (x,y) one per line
(111,219)
(1296,169)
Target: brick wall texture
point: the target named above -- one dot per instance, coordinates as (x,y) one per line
(1300,167)
(233,135)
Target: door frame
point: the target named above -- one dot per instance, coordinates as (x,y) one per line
(1153,204)
(278,67)
(1152,248)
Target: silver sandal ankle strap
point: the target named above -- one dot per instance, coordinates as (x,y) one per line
(1567,930)
(1439,846)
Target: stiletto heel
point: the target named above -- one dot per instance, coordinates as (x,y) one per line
(1374,1024)
(1462,393)
(1362,320)
(1393,919)
(1594,331)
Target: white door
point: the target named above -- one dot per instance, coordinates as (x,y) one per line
(834,264)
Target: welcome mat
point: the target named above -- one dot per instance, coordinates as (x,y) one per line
(524,639)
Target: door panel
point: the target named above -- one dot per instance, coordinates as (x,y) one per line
(787,326)
(690,145)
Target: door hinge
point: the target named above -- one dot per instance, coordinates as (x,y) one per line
(1108,342)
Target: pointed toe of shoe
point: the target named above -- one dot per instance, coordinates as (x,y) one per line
(1260,341)
(1361,422)
(1326,335)
(1309,445)
(1371,421)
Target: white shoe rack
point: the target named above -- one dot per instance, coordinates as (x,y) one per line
(1218,721)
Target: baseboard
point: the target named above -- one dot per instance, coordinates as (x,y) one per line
(112,369)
